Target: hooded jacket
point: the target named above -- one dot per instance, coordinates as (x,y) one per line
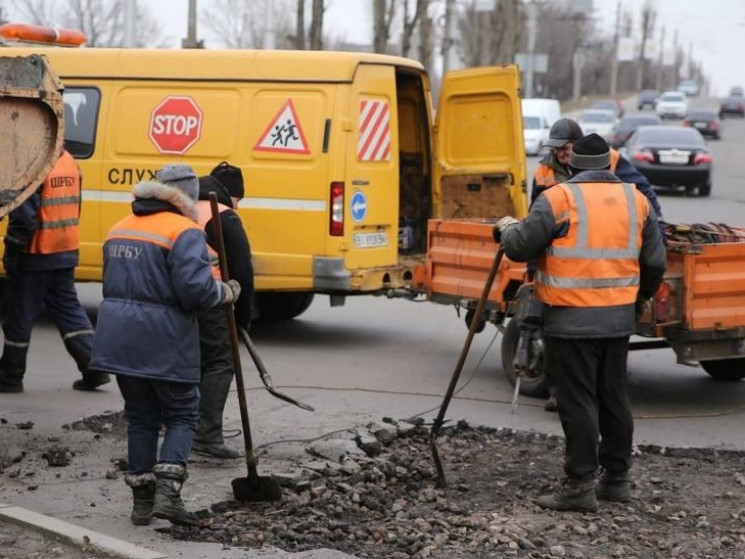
(156,275)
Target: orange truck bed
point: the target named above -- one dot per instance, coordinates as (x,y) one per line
(700,310)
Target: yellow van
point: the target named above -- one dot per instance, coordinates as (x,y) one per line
(344,163)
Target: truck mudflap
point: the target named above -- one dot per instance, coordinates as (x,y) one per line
(31,117)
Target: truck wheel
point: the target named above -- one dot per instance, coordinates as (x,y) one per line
(278,307)
(534,384)
(725,369)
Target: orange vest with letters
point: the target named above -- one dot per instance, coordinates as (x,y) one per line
(597,263)
(205,214)
(59,213)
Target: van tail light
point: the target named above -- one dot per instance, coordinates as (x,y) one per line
(701,158)
(644,155)
(686,123)
(336,217)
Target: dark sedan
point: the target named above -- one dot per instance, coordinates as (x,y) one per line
(671,157)
(626,126)
(705,121)
(732,106)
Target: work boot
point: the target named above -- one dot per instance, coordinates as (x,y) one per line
(169,479)
(143,495)
(573,494)
(551,404)
(614,486)
(216,450)
(8,386)
(91,381)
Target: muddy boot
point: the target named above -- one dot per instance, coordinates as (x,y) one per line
(91,381)
(614,486)
(143,495)
(573,494)
(208,440)
(169,478)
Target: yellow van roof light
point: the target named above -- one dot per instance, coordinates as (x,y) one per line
(27,33)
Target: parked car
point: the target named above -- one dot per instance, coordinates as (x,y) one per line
(628,124)
(609,105)
(646,97)
(732,106)
(672,104)
(671,157)
(736,91)
(535,133)
(597,121)
(689,87)
(705,121)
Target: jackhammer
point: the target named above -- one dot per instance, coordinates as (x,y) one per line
(529,348)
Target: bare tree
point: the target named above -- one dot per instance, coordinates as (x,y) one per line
(647,21)
(383,14)
(409,24)
(426,40)
(506,25)
(300,25)
(238,24)
(316,26)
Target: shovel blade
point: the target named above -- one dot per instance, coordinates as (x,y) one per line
(258,490)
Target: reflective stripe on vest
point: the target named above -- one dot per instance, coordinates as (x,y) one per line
(597,263)
(161,229)
(205,214)
(59,212)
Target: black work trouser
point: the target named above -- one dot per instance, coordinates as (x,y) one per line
(593,402)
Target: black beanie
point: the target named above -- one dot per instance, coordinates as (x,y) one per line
(590,152)
(230,176)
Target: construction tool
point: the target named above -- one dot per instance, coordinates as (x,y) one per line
(263,373)
(254,488)
(472,328)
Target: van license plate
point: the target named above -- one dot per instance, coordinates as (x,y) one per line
(370,240)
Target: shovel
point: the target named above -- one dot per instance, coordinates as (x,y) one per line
(253,488)
(473,327)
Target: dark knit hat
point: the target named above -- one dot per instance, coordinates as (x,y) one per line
(231,177)
(179,176)
(590,152)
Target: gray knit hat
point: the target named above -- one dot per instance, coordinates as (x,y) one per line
(590,152)
(179,176)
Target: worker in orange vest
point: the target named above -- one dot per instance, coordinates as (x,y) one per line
(554,169)
(600,259)
(41,253)
(217,367)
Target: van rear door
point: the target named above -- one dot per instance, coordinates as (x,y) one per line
(479,150)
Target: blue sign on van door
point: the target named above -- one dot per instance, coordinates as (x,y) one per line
(359,206)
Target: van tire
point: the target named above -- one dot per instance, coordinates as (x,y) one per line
(281,306)
(535,385)
(727,370)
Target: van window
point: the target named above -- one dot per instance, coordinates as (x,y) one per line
(81,112)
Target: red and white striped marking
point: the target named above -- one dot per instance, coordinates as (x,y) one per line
(375,133)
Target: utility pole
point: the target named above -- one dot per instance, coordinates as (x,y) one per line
(129,23)
(447,37)
(660,68)
(269,36)
(532,31)
(190,42)
(614,60)
(675,70)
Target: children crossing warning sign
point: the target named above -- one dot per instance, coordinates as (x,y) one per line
(284,133)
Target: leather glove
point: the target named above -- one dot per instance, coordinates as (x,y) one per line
(232,290)
(643,307)
(503,224)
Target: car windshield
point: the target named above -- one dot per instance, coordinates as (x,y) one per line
(671,135)
(600,116)
(633,122)
(531,122)
(672,97)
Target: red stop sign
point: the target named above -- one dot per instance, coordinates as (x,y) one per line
(175,124)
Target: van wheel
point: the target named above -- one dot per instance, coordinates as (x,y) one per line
(535,383)
(725,369)
(277,307)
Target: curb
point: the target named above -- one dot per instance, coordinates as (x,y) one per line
(75,536)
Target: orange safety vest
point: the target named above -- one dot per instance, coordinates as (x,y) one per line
(545,176)
(205,214)
(162,229)
(59,214)
(597,263)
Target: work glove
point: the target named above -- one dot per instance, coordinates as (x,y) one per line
(231,291)
(643,308)
(503,224)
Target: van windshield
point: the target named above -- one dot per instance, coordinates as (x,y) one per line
(531,122)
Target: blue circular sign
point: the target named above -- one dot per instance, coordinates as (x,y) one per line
(359,206)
